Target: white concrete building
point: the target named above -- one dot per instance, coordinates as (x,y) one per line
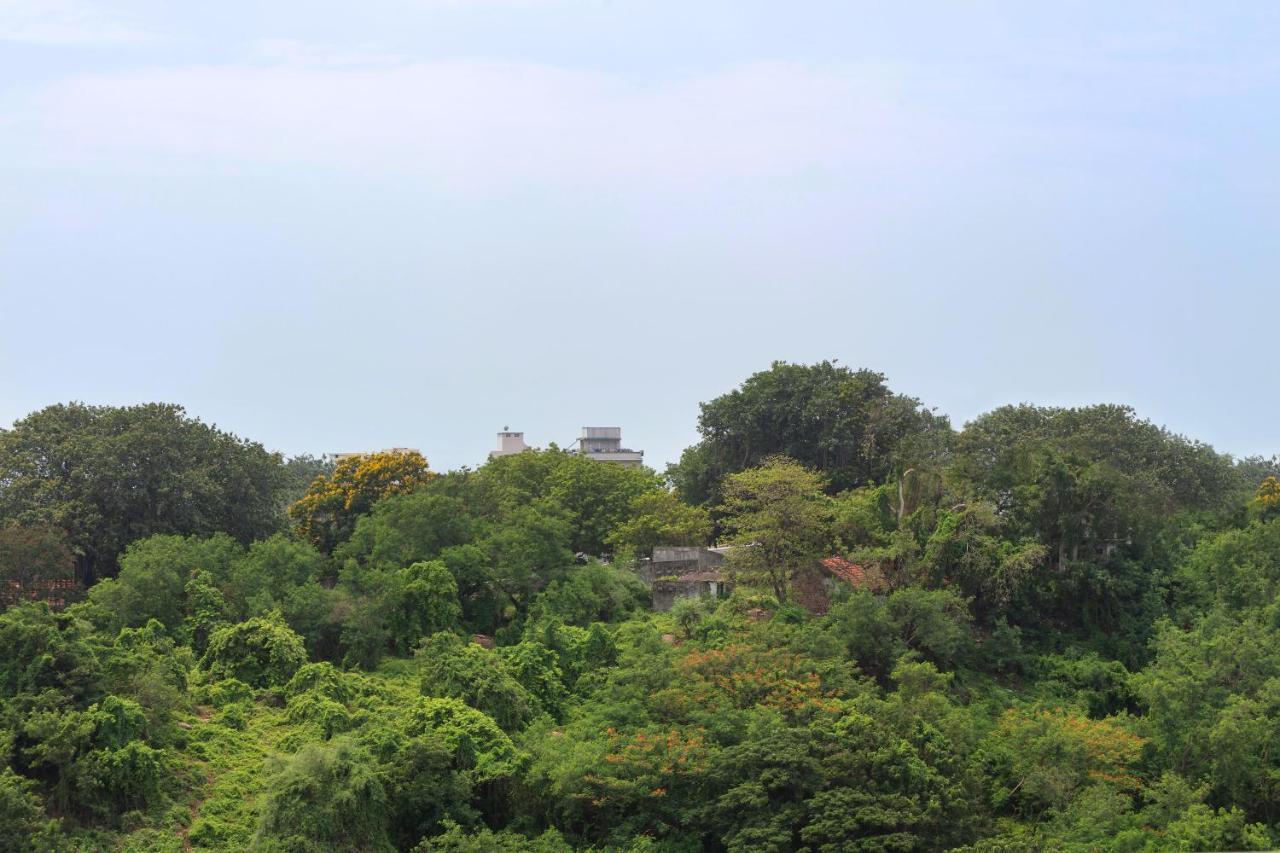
(509,444)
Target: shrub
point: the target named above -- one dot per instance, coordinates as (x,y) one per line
(326,797)
(219,694)
(260,652)
(478,677)
(23,825)
(322,678)
(314,707)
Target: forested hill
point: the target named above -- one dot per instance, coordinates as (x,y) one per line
(1053,629)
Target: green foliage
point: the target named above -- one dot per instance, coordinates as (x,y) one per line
(326,797)
(1059,632)
(660,518)
(594,592)
(409,528)
(846,424)
(478,677)
(456,840)
(595,498)
(426,602)
(322,679)
(262,652)
(97,759)
(23,825)
(326,515)
(262,579)
(48,654)
(109,476)
(153,577)
(483,749)
(780,522)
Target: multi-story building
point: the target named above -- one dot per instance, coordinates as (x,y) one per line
(509,444)
(604,444)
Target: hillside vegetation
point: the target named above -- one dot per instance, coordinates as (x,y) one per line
(1072,641)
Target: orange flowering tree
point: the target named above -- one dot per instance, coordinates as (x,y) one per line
(327,513)
(1050,754)
(741,677)
(601,783)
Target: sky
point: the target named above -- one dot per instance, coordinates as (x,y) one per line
(330,226)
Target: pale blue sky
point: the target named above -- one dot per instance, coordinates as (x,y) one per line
(335,226)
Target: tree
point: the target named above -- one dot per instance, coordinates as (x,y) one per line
(779,520)
(262,578)
(485,840)
(843,423)
(660,518)
(1268,495)
(408,528)
(262,652)
(153,578)
(426,601)
(109,476)
(596,592)
(1087,482)
(327,513)
(23,826)
(326,797)
(33,558)
(49,655)
(1050,754)
(595,497)
(303,471)
(528,547)
(478,677)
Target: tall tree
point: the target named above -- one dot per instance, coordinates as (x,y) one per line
(844,423)
(327,513)
(1091,481)
(661,518)
(780,521)
(110,475)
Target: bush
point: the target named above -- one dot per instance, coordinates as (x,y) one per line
(322,678)
(219,694)
(478,677)
(327,797)
(456,840)
(480,746)
(23,825)
(330,717)
(113,780)
(260,652)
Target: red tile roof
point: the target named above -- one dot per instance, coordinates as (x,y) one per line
(852,574)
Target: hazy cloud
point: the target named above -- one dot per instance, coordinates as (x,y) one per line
(476,122)
(65,23)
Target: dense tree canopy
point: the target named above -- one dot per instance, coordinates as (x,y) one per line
(327,513)
(109,476)
(845,423)
(1054,630)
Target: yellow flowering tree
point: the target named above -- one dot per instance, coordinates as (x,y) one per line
(327,513)
(1268,495)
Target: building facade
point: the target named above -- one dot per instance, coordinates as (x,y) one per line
(509,444)
(604,444)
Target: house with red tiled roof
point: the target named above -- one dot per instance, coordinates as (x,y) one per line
(813,590)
